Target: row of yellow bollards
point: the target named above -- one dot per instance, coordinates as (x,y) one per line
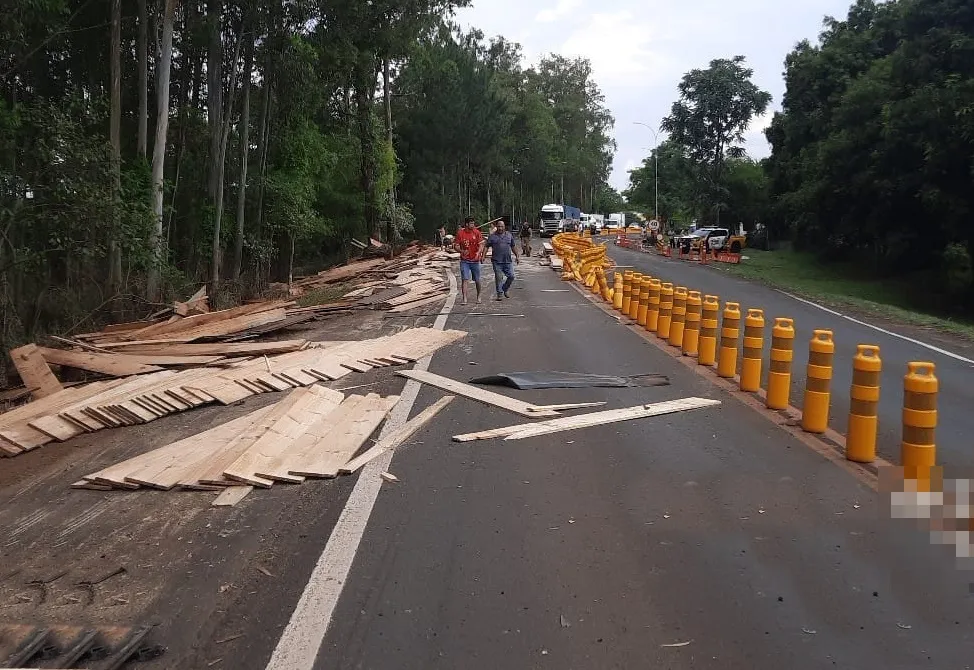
(689,321)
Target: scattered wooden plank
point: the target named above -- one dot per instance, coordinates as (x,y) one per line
(398,437)
(106,364)
(249,468)
(232,495)
(223,349)
(337,422)
(341,446)
(34,371)
(424,302)
(524,431)
(565,407)
(474,393)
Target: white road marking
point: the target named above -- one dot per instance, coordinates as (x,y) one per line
(299,644)
(931,347)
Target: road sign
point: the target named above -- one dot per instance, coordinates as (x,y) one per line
(654,225)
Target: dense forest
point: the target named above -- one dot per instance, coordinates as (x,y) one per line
(149,146)
(872,157)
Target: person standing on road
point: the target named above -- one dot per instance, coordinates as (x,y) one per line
(470,244)
(526,239)
(502,248)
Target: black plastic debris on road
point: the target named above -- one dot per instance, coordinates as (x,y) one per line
(568,380)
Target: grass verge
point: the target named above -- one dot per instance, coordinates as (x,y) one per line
(324,295)
(839,286)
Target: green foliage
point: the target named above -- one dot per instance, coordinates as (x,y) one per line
(874,150)
(478,135)
(704,175)
(716,106)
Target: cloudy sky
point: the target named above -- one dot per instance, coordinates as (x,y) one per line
(639,49)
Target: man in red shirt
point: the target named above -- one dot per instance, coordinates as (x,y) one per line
(470,244)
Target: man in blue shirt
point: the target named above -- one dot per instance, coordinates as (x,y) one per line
(502,249)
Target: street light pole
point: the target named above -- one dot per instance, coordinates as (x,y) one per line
(655,163)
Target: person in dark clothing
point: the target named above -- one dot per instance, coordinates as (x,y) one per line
(502,248)
(526,239)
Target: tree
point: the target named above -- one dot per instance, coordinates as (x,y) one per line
(159,148)
(714,110)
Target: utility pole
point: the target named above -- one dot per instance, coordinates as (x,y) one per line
(655,163)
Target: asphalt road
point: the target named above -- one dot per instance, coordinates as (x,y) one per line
(707,539)
(956,401)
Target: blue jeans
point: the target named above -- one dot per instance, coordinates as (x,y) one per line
(470,270)
(502,271)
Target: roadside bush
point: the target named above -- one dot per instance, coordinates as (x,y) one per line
(957,270)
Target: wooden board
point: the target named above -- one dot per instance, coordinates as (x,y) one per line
(335,423)
(190,323)
(522,431)
(153,467)
(398,437)
(107,364)
(346,439)
(307,410)
(474,393)
(34,371)
(222,349)
(165,467)
(232,495)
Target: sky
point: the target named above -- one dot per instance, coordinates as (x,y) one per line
(640,49)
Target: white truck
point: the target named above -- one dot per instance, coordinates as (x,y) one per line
(558,218)
(616,221)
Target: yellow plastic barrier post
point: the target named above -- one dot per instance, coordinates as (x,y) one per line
(652,307)
(626,291)
(604,286)
(617,292)
(679,320)
(779,369)
(860,442)
(636,295)
(707,348)
(753,346)
(691,331)
(665,310)
(643,311)
(918,449)
(818,382)
(730,331)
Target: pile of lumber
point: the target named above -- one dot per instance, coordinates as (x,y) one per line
(313,433)
(409,289)
(189,334)
(140,399)
(413,265)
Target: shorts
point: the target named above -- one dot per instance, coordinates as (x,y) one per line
(470,270)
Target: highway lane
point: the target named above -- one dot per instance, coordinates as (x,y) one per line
(955,432)
(707,539)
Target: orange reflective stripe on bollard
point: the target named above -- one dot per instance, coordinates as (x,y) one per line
(626,291)
(818,382)
(679,320)
(691,331)
(753,346)
(707,348)
(652,308)
(860,443)
(643,310)
(779,367)
(665,310)
(918,449)
(730,331)
(617,292)
(636,294)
